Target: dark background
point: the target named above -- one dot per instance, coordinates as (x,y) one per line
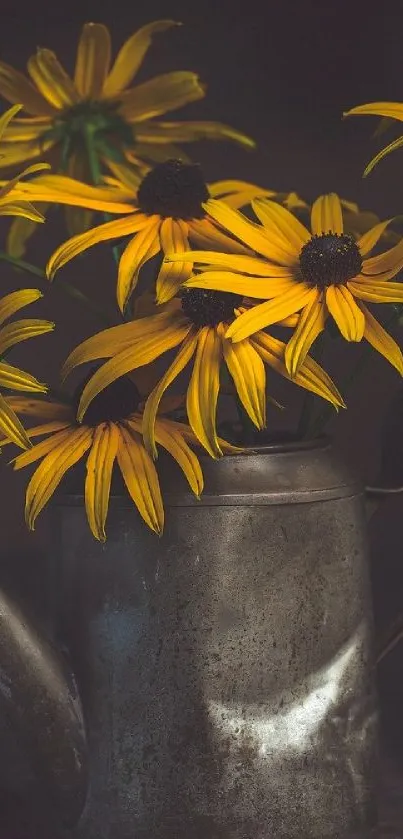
(282,72)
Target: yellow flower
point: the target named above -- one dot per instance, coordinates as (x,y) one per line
(98,105)
(11,204)
(12,378)
(111,432)
(167,214)
(319,273)
(388,110)
(195,324)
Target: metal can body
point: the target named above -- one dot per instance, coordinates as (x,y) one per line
(225,668)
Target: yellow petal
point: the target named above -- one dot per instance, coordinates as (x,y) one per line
(93,60)
(326,215)
(55,441)
(203,389)
(381,341)
(50,472)
(11,426)
(26,128)
(151,407)
(30,170)
(60,189)
(309,376)
(188,132)
(257,287)
(69,186)
(206,234)
(169,436)
(13,154)
(40,408)
(100,462)
(111,341)
(394,110)
(247,370)
(15,379)
(135,356)
(284,225)
(21,209)
(103,233)
(51,79)
(274,311)
(344,310)
(127,179)
(253,235)
(12,303)
(396,144)
(141,248)
(174,239)
(311,323)
(377,291)
(18,90)
(293,202)
(387,263)
(369,239)
(22,330)
(40,430)
(141,479)
(130,56)
(233,262)
(227,188)
(7,117)
(291,321)
(161,94)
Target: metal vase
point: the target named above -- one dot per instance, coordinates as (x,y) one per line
(225,669)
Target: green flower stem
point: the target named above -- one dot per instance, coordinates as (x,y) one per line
(95,173)
(69,289)
(323,417)
(309,397)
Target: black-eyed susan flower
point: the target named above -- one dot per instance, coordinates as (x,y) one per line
(99,107)
(167,215)
(111,433)
(319,273)
(387,110)
(12,378)
(195,324)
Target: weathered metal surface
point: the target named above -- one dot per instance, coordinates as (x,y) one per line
(39,701)
(225,668)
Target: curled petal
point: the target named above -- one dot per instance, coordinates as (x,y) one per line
(203,389)
(141,479)
(247,370)
(100,462)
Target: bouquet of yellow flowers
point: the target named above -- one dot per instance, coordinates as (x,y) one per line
(215,285)
(226,263)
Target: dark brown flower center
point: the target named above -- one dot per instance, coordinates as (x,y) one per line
(117,402)
(209,308)
(330,259)
(173,189)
